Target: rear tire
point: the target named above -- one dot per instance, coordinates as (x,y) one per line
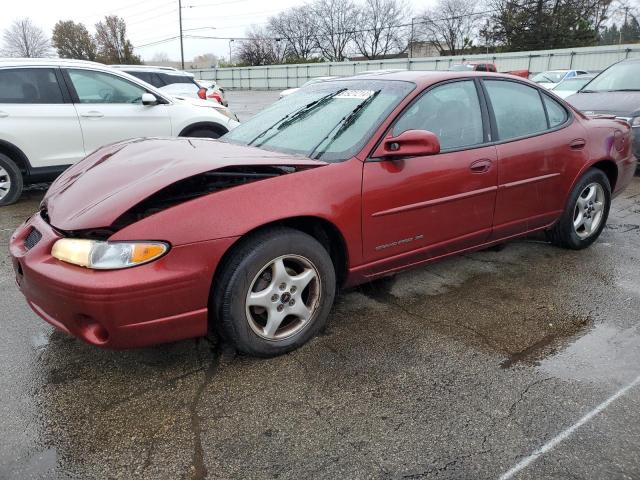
(274,292)
(11,183)
(586,213)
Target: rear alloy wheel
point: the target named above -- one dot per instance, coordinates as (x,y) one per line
(10,181)
(586,213)
(274,292)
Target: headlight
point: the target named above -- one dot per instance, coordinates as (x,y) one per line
(107,255)
(227,113)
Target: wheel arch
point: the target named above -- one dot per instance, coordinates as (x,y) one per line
(216,127)
(609,168)
(319,228)
(17,155)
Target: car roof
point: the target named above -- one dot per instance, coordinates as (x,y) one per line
(153,69)
(57,62)
(428,77)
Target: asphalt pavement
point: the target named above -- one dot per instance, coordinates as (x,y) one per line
(520,363)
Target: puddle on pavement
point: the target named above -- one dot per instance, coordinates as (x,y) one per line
(606,354)
(524,303)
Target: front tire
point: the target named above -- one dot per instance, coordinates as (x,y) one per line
(586,213)
(274,292)
(10,181)
(203,133)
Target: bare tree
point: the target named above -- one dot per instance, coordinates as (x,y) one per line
(206,59)
(113,44)
(260,48)
(160,57)
(24,39)
(72,40)
(378,22)
(297,28)
(450,25)
(336,23)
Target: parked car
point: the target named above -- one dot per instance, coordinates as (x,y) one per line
(214,91)
(289,91)
(571,85)
(485,67)
(551,78)
(53,112)
(615,92)
(347,181)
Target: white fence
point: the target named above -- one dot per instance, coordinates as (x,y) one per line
(278,77)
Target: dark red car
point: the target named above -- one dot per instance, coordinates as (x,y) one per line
(155,240)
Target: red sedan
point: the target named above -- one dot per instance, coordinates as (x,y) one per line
(156,240)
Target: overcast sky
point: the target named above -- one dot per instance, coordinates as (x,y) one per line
(152,20)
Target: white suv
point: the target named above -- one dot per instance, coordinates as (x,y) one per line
(53,112)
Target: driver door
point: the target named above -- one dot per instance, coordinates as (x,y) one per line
(110,109)
(420,207)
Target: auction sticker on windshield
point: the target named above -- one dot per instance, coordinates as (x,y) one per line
(359,94)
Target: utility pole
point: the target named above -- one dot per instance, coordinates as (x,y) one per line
(626,14)
(230,40)
(181,45)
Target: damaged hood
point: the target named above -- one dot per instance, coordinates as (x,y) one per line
(106,184)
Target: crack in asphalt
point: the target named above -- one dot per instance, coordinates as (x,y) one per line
(328,422)
(523,393)
(198,469)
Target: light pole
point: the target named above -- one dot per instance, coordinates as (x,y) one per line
(181,45)
(411,37)
(230,61)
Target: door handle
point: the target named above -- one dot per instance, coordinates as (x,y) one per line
(92,114)
(480,166)
(4,114)
(577,144)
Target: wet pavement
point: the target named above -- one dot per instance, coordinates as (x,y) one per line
(459,370)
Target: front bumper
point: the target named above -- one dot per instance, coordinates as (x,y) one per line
(162,301)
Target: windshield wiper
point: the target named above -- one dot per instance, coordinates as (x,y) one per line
(288,119)
(342,126)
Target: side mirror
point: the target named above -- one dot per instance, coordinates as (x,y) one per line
(412,143)
(149,99)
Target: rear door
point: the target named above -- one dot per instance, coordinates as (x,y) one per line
(536,144)
(110,109)
(37,116)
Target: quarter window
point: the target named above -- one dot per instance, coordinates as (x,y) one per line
(100,87)
(451,111)
(556,113)
(517,108)
(29,85)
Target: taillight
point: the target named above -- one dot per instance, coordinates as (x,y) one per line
(216,96)
(202,93)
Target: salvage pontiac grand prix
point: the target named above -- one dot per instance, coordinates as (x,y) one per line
(155,240)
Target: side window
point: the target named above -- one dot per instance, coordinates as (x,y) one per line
(556,112)
(481,68)
(99,87)
(170,79)
(517,108)
(29,85)
(451,111)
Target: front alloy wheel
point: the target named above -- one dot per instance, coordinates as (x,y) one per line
(283,297)
(273,293)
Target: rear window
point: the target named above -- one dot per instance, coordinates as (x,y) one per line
(29,85)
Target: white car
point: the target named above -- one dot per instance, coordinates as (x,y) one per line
(551,78)
(571,85)
(174,82)
(289,91)
(214,91)
(53,112)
